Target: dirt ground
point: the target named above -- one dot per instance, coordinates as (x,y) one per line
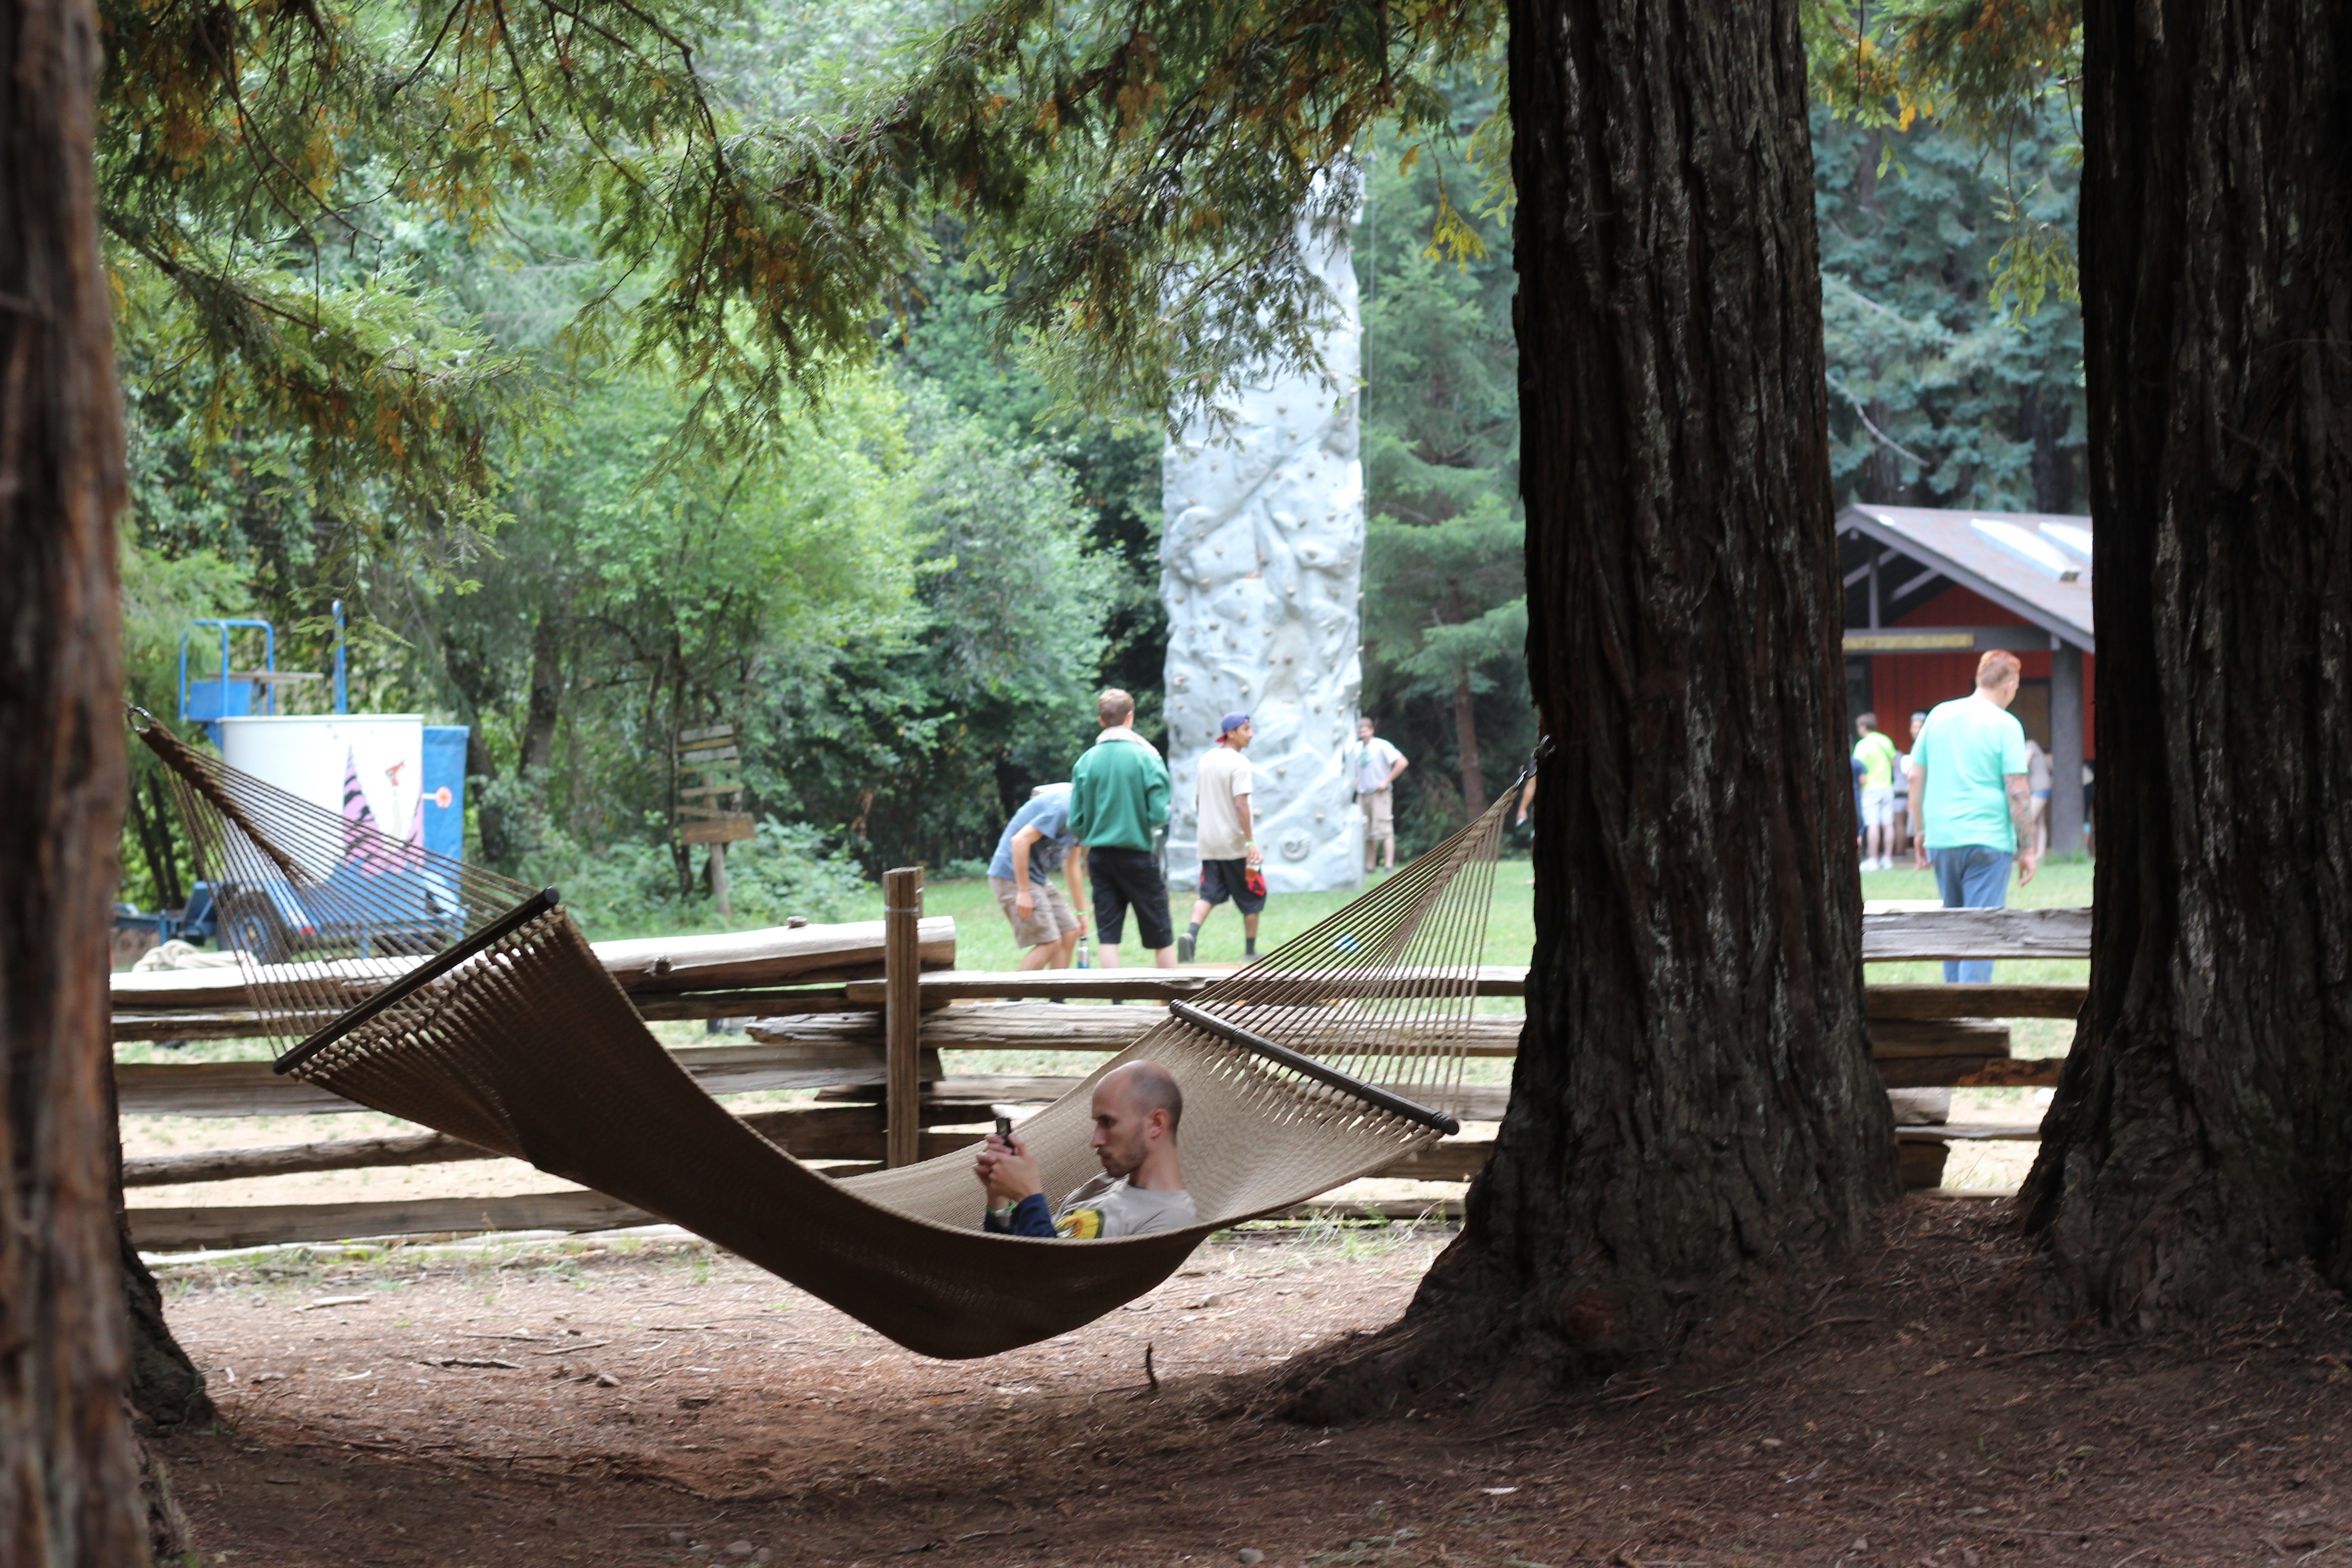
(660,1403)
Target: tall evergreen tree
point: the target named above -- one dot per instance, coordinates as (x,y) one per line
(2202,1130)
(1444,573)
(1944,392)
(69,1467)
(1693,1110)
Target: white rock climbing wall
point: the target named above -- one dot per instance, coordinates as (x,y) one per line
(1260,558)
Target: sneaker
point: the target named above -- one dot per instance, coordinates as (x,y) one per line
(1185,947)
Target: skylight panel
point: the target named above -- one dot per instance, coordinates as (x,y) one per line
(2073,536)
(2029,547)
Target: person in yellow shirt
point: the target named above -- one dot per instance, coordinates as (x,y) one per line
(1876,754)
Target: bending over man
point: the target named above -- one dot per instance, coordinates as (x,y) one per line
(1141,1188)
(1037,839)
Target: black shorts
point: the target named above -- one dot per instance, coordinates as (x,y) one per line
(1124,878)
(1222,879)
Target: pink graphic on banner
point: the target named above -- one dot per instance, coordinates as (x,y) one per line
(365,846)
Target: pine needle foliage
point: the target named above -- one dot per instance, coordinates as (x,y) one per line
(1134,173)
(1991,70)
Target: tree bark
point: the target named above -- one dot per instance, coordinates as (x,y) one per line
(1693,1111)
(1466,733)
(164,1387)
(69,1474)
(1466,744)
(2202,1128)
(546,702)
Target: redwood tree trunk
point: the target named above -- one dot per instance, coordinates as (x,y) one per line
(546,693)
(2202,1128)
(70,1479)
(1465,742)
(1465,730)
(1694,1110)
(164,1387)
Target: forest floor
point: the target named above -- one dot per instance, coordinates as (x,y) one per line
(640,1403)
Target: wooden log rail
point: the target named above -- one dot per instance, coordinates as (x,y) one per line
(784,969)
(820,993)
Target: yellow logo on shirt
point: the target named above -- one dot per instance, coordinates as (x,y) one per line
(1080,1224)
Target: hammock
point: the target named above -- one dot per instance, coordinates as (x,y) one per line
(437,991)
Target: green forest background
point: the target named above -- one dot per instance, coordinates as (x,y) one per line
(905,603)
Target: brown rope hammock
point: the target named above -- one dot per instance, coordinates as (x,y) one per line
(443,994)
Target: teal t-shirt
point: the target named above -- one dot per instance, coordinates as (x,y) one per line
(1968,748)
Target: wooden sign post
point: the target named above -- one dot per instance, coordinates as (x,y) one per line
(902,963)
(709,799)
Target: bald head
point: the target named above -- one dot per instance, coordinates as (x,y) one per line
(1142,1088)
(1136,1111)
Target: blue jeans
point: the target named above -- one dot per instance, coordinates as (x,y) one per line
(1971,877)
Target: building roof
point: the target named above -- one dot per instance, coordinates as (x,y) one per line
(2037,565)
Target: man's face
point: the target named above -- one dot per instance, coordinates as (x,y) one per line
(1917,724)
(1364,729)
(1239,739)
(1122,1133)
(1859,728)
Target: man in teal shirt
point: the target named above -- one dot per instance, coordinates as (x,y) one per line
(1119,804)
(1968,784)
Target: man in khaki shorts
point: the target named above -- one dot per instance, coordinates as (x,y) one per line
(1377,766)
(1037,839)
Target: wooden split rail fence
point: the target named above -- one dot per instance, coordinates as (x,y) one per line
(830,1010)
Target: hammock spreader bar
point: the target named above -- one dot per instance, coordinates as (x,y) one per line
(423,974)
(1347,1083)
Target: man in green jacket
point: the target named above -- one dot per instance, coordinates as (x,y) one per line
(1118,802)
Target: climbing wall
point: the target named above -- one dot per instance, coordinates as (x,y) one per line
(1260,558)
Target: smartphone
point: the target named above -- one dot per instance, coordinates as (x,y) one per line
(1005,1114)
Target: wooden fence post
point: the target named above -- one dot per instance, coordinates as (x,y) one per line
(902,963)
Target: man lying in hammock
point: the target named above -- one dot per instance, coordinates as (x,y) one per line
(1137,1110)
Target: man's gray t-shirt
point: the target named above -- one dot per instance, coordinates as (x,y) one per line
(1108,1206)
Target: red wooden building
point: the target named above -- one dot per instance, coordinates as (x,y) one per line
(1927,592)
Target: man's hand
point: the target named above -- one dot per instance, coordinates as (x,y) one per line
(2020,815)
(1255,856)
(1022,901)
(1008,1172)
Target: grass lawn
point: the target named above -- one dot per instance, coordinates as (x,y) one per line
(984,939)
